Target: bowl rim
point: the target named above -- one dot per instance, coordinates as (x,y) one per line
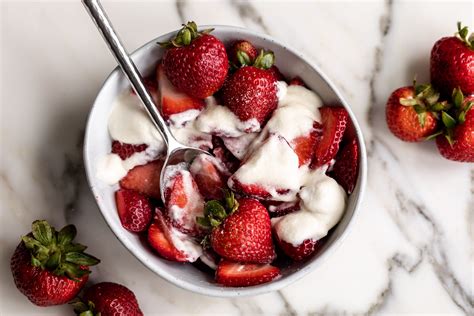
(227,291)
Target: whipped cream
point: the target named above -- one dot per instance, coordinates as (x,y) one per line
(273,166)
(129,123)
(220,120)
(188,246)
(195,202)
(189,135)
(180,119)
(323,202)
(239,146)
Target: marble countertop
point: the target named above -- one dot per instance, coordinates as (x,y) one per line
(411,248)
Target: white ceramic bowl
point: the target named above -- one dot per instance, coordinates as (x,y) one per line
(98,143)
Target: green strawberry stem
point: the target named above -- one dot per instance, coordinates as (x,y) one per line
(264,60)
(185,36)
(54,251)
(452,115)
(463,33)
(215,212)
(426,99)
(82,308)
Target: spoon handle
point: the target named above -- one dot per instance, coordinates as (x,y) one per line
(104,25)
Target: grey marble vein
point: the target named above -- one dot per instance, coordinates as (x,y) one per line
(289,310)
(248,12)
(385,25)
(436,255)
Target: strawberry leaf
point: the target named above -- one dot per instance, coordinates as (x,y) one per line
(243,58)
(42,232)
(458,97)
(433,136)
(67,234)
(422,118)
(448,120)
(81,259)
(408,101)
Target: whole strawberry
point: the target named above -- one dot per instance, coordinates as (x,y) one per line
(241,230)
(456,141)
(108,299)
(251,92)
(47,267)
(452,62)
(410,112)
(242,53)
(196,62)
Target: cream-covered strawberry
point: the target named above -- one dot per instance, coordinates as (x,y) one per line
(183,201)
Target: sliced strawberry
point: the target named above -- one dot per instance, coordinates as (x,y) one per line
(184,202)
(159,237)
(134,210)
(254,190)
(304,146)
(237,274)
(297,81)
(350,133)
(172,100)
(210,181)
(144,179)
(126,150)
(277,208)
(300,252)
(346,167)
(334,121)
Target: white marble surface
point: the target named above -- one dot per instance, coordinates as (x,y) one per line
(411,250)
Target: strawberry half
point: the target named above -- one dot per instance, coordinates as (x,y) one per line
(234,274)
(334,121)
(159,237)
(183,202)
(196,62)
(172,100)
(300,252)
(346,167)
(125,150)
(134,210)
(210,180)
(144,179)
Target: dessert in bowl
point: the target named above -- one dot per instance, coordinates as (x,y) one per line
(277,194)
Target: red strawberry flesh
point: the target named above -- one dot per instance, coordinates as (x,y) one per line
(144,179)
(240,275)
(126,150)
(134,210)
(334,121)
(346,167)
(173,101)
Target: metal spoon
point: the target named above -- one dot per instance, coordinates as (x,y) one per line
(175,151)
